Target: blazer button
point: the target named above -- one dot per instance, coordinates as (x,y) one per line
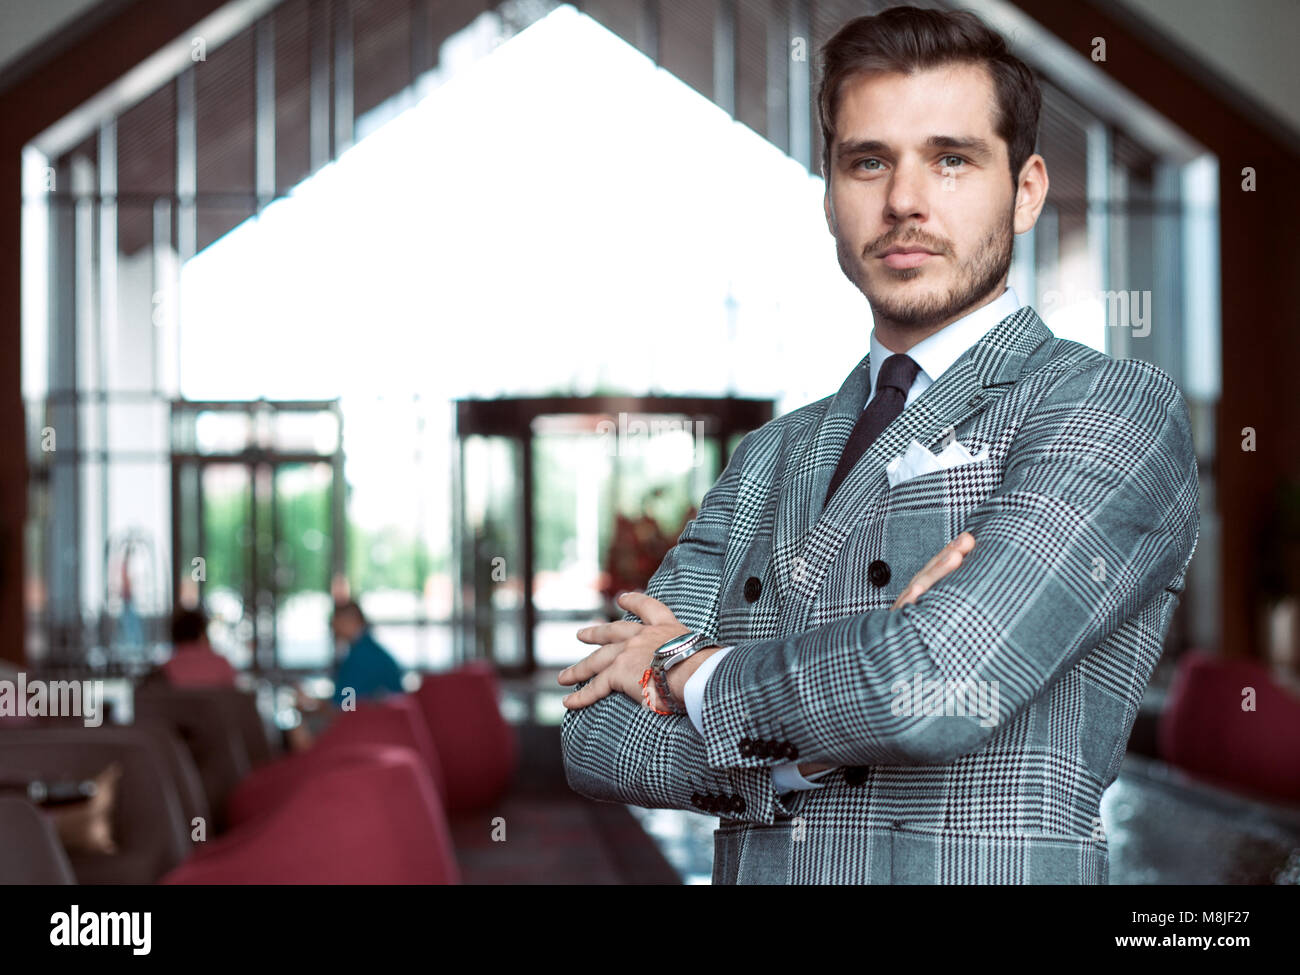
(764,748)
(855,774)
(739,804)
(878,573)
(746,748)
(753,589)
(695,798)
(789,751)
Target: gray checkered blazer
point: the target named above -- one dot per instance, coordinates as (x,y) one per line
(1085,516)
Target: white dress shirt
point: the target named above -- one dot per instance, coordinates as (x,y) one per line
(934,354)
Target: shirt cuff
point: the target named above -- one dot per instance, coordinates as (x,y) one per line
(786,778)
(693,692)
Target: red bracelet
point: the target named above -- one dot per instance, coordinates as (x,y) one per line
(646,678)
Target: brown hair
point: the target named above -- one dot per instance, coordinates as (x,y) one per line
(909,38)
(350,607)
(189,625)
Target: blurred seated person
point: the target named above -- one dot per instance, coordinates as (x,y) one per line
(193,662)
(366,672)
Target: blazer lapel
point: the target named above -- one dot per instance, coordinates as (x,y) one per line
(983,373)
(807,472)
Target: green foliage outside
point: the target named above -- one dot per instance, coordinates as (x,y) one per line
(389,558)
(393,558)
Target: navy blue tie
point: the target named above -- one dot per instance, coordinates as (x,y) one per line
(896,377)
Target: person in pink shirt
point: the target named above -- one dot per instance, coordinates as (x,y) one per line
(193,662)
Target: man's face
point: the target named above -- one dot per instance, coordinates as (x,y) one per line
(344,625)
(916,164)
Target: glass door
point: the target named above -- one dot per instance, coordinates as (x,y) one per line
(562,502)
(257,530)
(223,571)
(301,553)
(610,500)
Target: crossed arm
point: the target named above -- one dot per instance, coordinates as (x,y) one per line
(1097,512)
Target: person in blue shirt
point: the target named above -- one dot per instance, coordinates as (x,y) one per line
(368,669)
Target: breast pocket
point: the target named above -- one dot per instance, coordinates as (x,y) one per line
(953,493)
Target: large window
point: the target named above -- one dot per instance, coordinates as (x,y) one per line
(389,206)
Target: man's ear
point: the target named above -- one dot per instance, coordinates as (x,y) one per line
(830,211)
(1031,193)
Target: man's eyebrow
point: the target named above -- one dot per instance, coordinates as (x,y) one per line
(966,143)
(860,146)
(971,144)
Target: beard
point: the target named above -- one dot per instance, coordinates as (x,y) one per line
(976,277)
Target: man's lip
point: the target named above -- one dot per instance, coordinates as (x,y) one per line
(907,250)
(903,258)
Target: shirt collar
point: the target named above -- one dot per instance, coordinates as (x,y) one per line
(935,353)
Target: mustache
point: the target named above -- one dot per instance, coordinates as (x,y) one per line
(912,240)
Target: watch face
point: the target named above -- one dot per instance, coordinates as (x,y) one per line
(675,643)
(676,651)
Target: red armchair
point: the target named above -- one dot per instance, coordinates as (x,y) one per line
(1205,732)
(372,819)
(394,721)
(476,745)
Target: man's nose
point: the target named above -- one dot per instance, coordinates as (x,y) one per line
(906,198)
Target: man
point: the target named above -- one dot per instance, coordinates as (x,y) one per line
(368,670)
(193,662)
(846,727)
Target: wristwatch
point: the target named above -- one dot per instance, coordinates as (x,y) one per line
(669,656)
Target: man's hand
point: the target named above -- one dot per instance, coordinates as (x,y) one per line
(948,559)
(626,649)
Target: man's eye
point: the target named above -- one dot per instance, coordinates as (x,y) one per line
(952,162)
(873,160)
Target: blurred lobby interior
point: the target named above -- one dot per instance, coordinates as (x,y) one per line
(457,309)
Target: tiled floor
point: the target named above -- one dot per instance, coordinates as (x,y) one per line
(685,839)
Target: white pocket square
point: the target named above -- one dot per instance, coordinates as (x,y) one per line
(917,459)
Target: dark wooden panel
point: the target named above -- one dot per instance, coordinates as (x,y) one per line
(686,41)
(225,122)
(292,94)
(381,32)
(146,165)
(751,64)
